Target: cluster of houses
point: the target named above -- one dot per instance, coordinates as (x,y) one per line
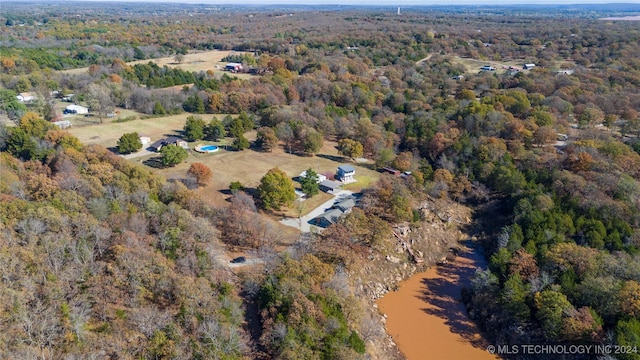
(512,69)
(344,174)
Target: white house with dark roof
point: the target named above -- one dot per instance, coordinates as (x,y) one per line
(319,177)
(345,173)
(26,97)
(76,109)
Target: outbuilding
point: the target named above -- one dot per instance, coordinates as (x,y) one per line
(64,124)
(529,66)
(329,186)
(144,139)
(233,67)
(76,109)
(26,97)
(319,177)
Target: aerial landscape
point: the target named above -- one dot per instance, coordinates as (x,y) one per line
(319,181)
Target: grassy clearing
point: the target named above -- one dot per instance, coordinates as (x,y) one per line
(247,166)
(473,65)
(365,180)
(305,207)
(107,134)
(250,166)
(196,61)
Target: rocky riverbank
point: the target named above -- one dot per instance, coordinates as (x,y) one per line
(442,227)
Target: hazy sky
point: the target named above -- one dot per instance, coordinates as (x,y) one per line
(389,2)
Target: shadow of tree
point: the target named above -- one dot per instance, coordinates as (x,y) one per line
(444,294)
(334,158)
(154,162)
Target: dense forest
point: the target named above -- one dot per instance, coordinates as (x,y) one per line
(101,257)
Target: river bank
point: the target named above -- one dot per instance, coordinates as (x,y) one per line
(426,317)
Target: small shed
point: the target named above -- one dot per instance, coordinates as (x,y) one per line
(64,124)
(345,173)
(319,178)
(144,139)
(233,67)
(329,186)
(26,97)
(529,66)
(391,171)
(76,109)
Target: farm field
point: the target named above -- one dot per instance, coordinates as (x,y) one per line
(195,61)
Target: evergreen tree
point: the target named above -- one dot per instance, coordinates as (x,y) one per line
(214,130)
(309,183)
(194,128)
(129,143)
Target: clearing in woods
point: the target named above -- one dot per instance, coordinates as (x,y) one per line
(196,61)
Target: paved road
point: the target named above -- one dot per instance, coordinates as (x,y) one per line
(303,222)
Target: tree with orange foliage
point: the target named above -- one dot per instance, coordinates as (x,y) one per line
(115,78)
(7,64)
(200,172)
(403,161)
(630,298)
(581,161)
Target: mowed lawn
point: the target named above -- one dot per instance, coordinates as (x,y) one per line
(249,166)
(107,134)
(196,61)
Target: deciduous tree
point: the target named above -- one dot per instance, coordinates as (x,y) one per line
(350,148)
(173,155)
(276,189)
(99,100)
(200,172)
(266,138)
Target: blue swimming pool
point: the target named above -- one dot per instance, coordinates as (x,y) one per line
(207,148)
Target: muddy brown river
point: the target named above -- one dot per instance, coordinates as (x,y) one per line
(426,318)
